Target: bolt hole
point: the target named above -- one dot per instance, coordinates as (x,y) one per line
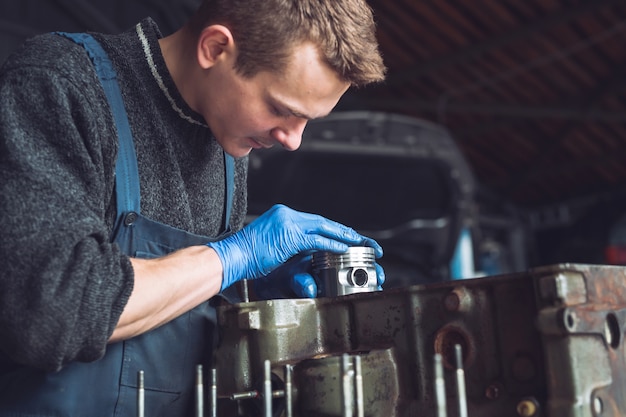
(598,406)
(445,342)
(612,331)
(570,320)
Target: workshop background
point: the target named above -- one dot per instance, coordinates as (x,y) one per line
(501,123)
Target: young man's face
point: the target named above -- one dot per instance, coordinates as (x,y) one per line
(270,109)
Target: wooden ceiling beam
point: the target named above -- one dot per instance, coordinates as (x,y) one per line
(587,110)
(465,54)
(515,111)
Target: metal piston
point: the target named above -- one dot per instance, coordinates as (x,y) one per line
(345,273)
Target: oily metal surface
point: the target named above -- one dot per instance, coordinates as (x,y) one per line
(547,342)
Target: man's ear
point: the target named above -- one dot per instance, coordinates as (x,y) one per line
(214,43)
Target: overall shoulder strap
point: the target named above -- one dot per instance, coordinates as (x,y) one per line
(229,163)
(126,172)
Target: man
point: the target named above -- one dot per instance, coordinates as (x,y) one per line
(122,173)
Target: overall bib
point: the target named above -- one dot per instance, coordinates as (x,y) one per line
(168,355)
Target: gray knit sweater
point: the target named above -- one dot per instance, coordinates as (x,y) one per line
(63,285)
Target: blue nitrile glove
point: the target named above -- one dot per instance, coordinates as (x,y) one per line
(290,280)
(294,278)
(276,236)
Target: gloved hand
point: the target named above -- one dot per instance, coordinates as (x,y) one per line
(290,280)
(295,278)
(278,235)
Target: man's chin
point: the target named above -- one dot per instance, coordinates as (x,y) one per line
(236,149)
(240,152)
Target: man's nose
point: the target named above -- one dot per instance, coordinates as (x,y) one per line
(289,134)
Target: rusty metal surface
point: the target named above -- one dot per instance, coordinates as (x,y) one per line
(548,342)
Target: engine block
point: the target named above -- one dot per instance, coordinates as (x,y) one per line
(546,342)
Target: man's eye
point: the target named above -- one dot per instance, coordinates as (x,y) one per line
(278,112)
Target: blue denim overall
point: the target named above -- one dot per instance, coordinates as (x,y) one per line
(168,355)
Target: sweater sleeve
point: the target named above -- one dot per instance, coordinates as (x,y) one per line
(63,284)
